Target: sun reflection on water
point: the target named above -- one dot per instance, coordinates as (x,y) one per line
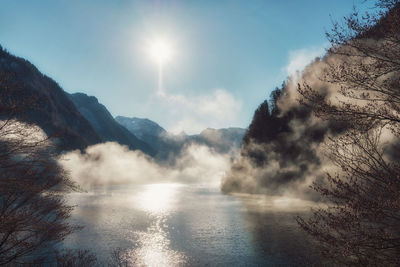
(154,244)
(157,199)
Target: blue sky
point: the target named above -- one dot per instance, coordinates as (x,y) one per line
(228,55)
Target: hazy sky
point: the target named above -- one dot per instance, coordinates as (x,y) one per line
(228,55)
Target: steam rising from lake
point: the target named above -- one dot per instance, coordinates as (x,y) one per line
(288,154)
(111,163)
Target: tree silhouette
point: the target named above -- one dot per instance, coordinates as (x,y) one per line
(361,224)
(33,213)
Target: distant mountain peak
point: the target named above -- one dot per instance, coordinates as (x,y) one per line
(141,126)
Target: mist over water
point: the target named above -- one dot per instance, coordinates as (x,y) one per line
(284,150)
(189,225)
(110,163)
(174,214)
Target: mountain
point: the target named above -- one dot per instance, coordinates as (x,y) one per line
(144,129)
(43,102)
(104,123)
(165,145)
(168,145)
(78,120)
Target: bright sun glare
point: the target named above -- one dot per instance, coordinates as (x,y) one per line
(160,51)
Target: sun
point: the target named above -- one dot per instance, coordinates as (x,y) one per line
(160,51)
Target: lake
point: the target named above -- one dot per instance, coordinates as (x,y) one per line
(190,225)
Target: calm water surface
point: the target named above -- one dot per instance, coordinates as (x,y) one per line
(189,225)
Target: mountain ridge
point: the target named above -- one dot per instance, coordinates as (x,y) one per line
(45,103)
(104,123)
(78,120)
(168,145)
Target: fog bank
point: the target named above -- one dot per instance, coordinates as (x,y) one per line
(283,152)
(110,163)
